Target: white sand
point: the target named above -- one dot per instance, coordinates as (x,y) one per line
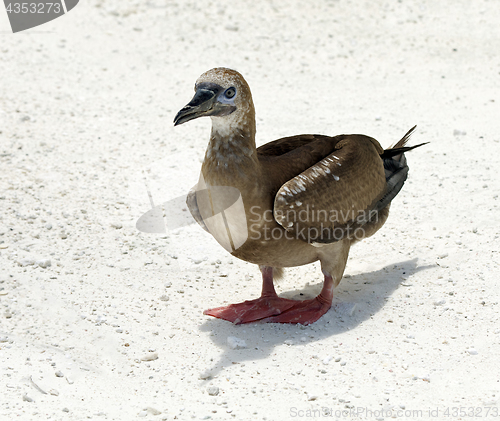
(86,105)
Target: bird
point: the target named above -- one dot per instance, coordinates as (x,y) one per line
(288,203)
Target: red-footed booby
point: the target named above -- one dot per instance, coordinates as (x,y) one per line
(288,203)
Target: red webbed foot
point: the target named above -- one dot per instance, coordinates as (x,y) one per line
(270,308)
(253,310)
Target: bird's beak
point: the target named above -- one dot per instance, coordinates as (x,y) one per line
(204,103)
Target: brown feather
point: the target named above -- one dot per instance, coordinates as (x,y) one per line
(336,190)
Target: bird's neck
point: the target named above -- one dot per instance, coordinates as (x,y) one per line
(231,156)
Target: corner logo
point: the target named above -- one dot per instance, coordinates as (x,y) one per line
(26,15)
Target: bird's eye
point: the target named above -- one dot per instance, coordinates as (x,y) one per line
(230,92)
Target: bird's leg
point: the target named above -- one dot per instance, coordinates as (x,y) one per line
(308,311)
(268,305)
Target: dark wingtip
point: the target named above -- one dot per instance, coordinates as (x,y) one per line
(404,139)
(400,147)
(389,153)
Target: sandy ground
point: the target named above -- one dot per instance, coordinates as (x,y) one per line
(101,321)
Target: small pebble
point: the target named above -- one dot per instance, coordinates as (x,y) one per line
(26,262)
(327,360)
(472,351)
(345,309)
(27,398)
(116,225)
(59,374)
(65,410)
(236,343)
(213,390)
(100,319)
(150,357)
(490,403)
(44,263)
(153,411)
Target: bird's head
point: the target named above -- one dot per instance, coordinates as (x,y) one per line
(222,94)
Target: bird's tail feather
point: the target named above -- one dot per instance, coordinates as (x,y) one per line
(400,147)
(404,140)
(396,170)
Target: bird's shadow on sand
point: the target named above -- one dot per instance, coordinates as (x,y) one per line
(357,298)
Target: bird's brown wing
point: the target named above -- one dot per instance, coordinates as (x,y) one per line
(294,143)
(283,159)
(334,194)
